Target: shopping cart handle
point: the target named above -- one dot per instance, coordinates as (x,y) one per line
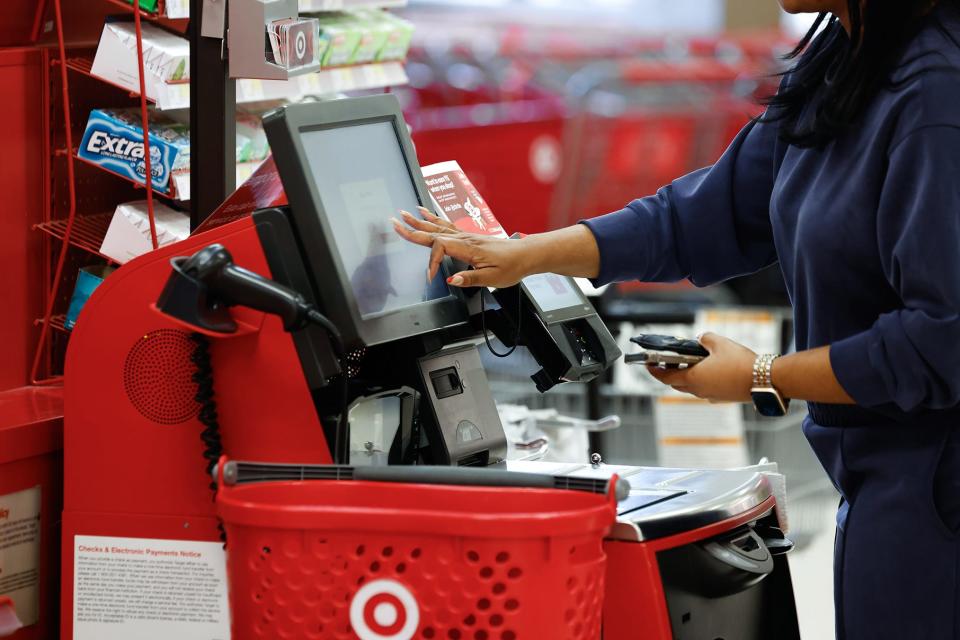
(9,622)
(488,478)
(248,472)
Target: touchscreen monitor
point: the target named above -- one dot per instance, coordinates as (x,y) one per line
(363,181)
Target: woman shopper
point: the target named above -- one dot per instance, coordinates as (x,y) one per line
(851,181)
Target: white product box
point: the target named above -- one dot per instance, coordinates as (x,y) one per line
(166,63)
(129,233)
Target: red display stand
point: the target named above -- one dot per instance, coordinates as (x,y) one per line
(31,441)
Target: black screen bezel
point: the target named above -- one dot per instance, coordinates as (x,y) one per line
(285,128)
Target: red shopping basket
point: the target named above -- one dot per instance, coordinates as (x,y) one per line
(394,561)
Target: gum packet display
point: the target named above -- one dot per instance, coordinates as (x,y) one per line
(113,139)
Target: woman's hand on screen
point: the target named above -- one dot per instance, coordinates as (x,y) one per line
(496,262)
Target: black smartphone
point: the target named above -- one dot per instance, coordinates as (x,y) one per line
(682,346)
(666,351)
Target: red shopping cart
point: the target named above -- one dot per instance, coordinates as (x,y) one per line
(374,560)
(639,125)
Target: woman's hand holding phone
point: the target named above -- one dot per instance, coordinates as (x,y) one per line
(726,375)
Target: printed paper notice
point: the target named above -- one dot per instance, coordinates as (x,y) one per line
(20,553)
(149,589)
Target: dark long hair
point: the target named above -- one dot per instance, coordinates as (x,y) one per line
(836,75)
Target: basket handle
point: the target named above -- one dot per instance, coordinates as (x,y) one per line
(234,473)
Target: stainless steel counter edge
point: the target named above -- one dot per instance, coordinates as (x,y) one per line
(691,498)
(729,496)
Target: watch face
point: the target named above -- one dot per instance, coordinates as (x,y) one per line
(768,403)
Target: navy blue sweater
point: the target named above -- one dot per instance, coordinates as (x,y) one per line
(866,232)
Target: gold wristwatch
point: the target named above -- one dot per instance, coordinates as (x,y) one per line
(766,399)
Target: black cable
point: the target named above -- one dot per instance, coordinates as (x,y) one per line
(483,324)
(203,376)
(208,417)
(336,341)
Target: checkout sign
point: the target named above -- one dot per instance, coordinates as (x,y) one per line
(384,610)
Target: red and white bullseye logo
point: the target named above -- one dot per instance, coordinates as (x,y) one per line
(384,610)
(301,44)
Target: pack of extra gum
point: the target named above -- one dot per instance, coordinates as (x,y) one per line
(113,140)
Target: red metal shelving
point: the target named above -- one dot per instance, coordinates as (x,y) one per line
(57,323)
(138,185)
(62,219)
(84,65)
(87,233)
(176,24)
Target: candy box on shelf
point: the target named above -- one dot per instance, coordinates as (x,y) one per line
(341,37)
(166,62)
(129,233)
(373,36)
(88,280)
(113,140)
(398,39)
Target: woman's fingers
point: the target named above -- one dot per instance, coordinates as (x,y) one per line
(475,278)
(429,216)
(422,225)
(448,245)
(670,377)
(437,252)
(423,238)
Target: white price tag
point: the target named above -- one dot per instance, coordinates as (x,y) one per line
(250,90)
(310,83)
(177,8)
(174,96)
(375,75)
(321,5)
(344,79)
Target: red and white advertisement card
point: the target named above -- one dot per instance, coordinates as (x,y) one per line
(459,201)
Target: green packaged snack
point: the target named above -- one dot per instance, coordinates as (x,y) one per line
(373,36)
(399,38)
(251,127)
(341,37)
(147,5)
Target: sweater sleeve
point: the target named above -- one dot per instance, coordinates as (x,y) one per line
(911,356)
(709,226)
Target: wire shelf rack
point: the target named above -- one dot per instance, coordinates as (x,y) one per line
(87,233)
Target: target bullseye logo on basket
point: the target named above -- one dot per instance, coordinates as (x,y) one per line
(384,610)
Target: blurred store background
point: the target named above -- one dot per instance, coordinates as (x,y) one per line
(557,110)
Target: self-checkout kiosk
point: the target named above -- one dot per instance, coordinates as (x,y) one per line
(310,334)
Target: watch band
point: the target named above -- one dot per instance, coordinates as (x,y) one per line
(762,371)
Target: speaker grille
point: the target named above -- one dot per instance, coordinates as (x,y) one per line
(158,377)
